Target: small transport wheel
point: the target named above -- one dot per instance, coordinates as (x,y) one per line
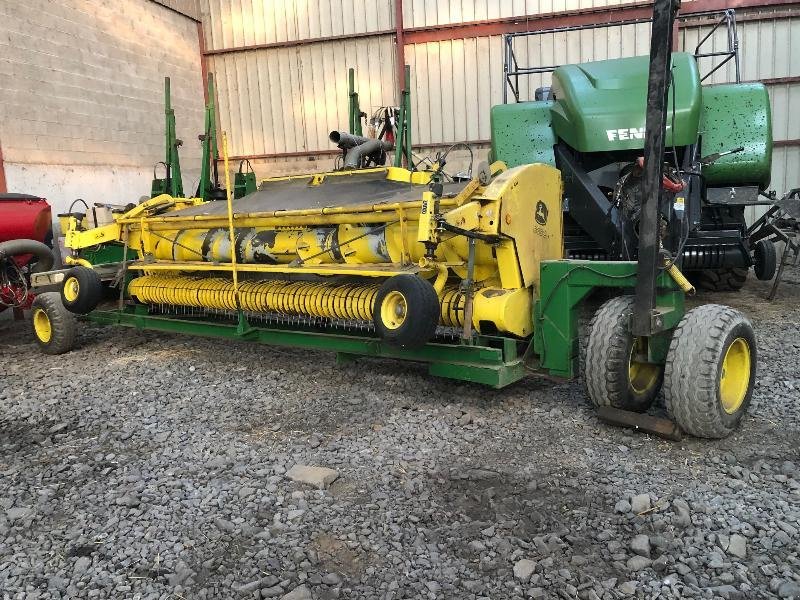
(614,371)
(406,311)
(81,290)
(53,325)
(765,260)
(710,371)
(727,279)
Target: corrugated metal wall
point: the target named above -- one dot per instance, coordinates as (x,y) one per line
(285,100)
(280,100)
(233,23)
(769,50)
(428,13)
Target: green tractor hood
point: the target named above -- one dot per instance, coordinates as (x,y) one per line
(600,106)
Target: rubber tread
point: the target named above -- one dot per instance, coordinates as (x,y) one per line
(729,279)
(606,359)
(765,260)
(692,371)
(62,323)
(90,291)
(423,311)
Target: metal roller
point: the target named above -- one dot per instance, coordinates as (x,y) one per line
(291,298)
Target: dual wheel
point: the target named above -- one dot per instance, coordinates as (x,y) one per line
(707,379)
(52,313)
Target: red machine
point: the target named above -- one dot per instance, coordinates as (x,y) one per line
(26,239)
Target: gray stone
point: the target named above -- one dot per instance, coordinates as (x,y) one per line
(623,506)
(738,546)
(224,525)
(640,503)
(789,589)
(128,500)
(82,564)
(332,579)
(627,588)
(271,592)
(638,563)
(660,564)
(17,513)
(523,569)
(249,588)
(683,517)
(319,477)
(640,545)
(301,592)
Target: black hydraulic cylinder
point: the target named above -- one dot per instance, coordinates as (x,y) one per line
(664,12)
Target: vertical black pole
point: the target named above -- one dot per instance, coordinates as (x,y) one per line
(664,12)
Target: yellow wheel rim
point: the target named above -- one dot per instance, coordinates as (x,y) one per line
(393,310)
(41,326)
(641,375)
(71,289)
(734,379)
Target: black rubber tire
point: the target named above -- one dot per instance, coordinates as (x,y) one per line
(728,279)
(606,359)
(693,370)
(422,311)
(90,290)
(765,260)
(62,323)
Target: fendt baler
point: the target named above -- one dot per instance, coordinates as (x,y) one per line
(590,124)
(468,276)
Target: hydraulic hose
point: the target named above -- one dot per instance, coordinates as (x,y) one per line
(41,251)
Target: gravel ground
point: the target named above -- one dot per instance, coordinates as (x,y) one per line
(144,465)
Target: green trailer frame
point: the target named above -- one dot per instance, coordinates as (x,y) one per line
(489,360)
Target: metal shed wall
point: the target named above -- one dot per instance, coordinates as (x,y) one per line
(427,13)
(287,100)
(282,79)
(233,23)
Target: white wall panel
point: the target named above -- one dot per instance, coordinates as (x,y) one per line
(280,100)
(233,23)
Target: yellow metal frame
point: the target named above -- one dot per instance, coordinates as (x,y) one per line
(505,272)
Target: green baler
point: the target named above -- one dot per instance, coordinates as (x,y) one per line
(590,124)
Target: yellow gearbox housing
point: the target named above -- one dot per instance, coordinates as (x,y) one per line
(325,245)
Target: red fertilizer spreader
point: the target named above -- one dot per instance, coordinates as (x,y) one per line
(26,240)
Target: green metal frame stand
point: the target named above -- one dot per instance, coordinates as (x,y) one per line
(489,360)
(566,283)
(492,361)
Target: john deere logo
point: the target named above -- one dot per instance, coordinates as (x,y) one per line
(541,213)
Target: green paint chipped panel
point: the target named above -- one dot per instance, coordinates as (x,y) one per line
(737,115)
(522,133)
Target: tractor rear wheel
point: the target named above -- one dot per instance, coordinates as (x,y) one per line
(710,371)
(53,325)
(81,290)
(614,370)
(406,311)
(728,279)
